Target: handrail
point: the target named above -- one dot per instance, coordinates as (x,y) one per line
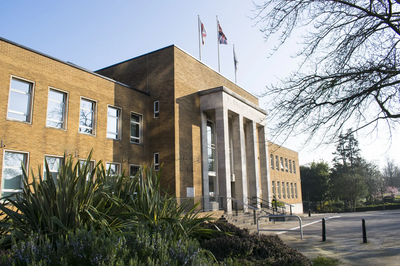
(270,205)
(244,204)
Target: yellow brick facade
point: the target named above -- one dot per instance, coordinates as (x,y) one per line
(168,76)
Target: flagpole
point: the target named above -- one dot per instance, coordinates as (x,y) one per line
(219,68)
(199,26)
(234,61)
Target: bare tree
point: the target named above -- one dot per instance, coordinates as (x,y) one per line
(350,65)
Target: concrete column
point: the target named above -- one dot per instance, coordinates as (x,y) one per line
(264,164)
(224,172)
(204,167)
(252,159)
(239,149)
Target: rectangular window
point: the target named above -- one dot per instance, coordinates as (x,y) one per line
(273,189)
(114,123)
(279,189)
(87,116)
(295,190)
(57,109)
(211,146)
(287,190)
(12,172)
(114,168)
(136,128)
(282,166)
(156,161)
(294,167)
(290,165)
(277,162)
(272,160)
(133,170)
(54,164)
(20,100)
(156,109)
(286,165)
(283,190)
(90,168)
(291,190)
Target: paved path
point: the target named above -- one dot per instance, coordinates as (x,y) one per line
(344,237)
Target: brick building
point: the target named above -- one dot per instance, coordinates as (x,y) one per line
(164,107)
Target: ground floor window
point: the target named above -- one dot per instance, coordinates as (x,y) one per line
(114,168)
(133,170)
(12,172)
(54,163)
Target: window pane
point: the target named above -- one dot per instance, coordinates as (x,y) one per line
(20,85)
(54,164)
(56,109)
(12,172)
(113,123)
(135,118)
(56,96)
(133,169)
(86,116)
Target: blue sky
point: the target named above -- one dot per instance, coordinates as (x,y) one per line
(98,33)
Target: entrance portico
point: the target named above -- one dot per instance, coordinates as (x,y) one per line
(234,148)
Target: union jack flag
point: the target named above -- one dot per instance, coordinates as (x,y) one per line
(221,36)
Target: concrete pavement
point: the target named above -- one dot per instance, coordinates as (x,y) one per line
(344,237)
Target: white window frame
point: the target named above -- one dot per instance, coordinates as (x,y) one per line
(294,167)
(156,158)
(60,165)
(286,165)
(30,100)
(283,190)
(133,165)
(287,190)
(92,164)
(156,109)
(65,108)
(278,187)
(118,119)
(271,158)
(26,154)
(273,189)
(139,138)
(277,162)
(118,167)
(94,122)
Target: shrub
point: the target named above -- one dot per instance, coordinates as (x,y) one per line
(83,247)
(242,246)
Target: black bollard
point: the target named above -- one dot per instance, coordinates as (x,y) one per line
(323,230)
(309,213)
(236,208)
(364,230)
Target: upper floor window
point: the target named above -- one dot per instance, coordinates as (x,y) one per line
(12,172)
(20,100)
(87,116)
(290,165)
(156,109)
(282,167)
(277,162)
(136,128)
(286,165)
(114,123)
(57,109)
(54,163)
(278,188)
(294,167)
(272,160)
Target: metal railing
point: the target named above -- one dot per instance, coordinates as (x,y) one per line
(255,209)
(269,206)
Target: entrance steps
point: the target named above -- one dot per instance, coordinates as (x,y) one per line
(245,220)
